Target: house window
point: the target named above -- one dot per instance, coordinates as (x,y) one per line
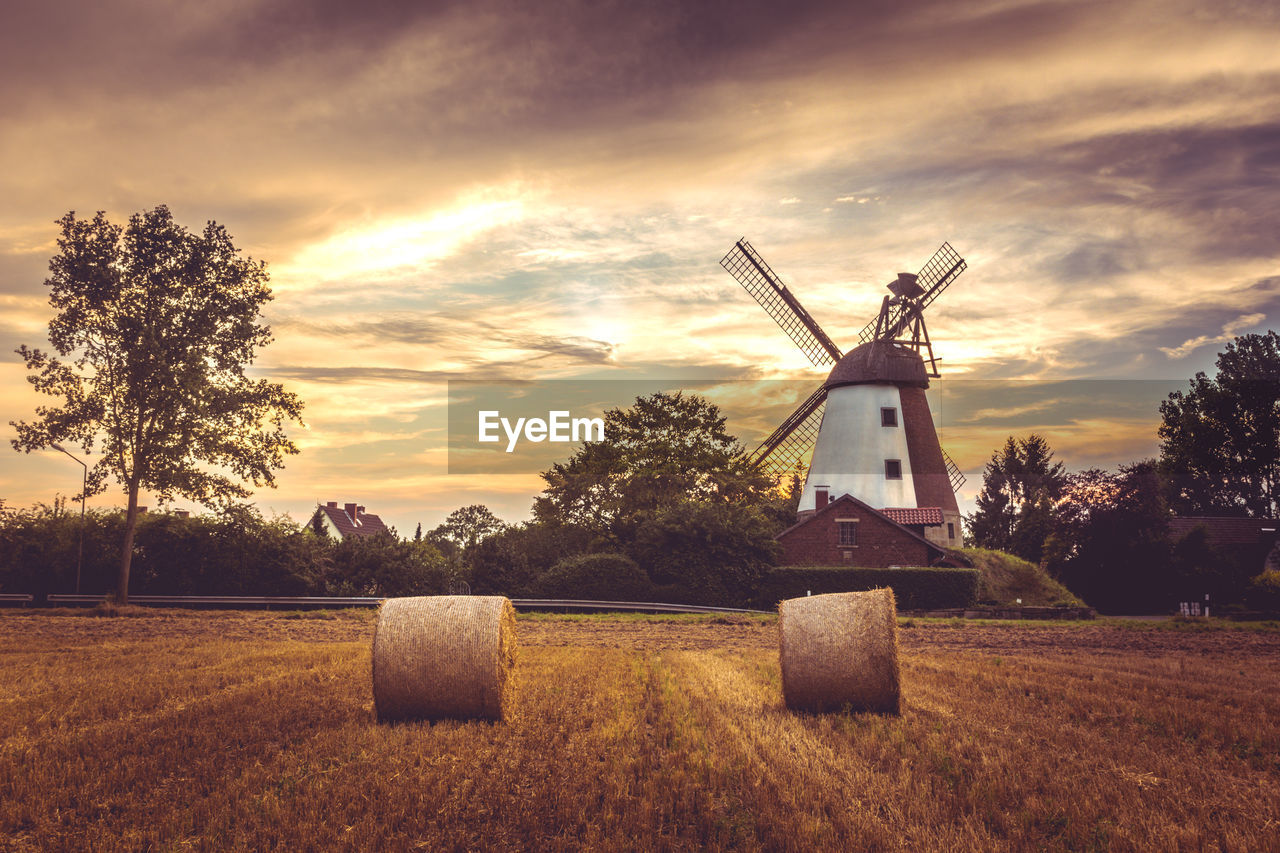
(893,469)
(889,416)
(848,533)
(951,530)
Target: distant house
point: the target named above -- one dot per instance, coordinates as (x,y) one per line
(846,531)
(1254,540)
(348,520)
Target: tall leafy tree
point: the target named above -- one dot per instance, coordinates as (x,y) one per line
(466,526)
(1014,510)
(1111,542)
(1220,439)
(667,448)
(158,324)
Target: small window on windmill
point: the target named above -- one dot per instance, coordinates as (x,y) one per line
(888,416)
(848,533)
(893,469)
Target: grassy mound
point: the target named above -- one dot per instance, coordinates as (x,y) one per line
(1005,578)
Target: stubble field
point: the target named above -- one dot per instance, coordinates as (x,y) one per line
(254,731)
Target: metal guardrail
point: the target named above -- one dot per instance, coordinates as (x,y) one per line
(229,601)
(270,601)
(16,598)
(647,606)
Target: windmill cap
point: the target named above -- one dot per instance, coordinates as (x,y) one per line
(905,285)
(879,361)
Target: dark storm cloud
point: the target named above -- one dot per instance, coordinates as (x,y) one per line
(498,64)
(591,51)
(49,48)
(1222,182)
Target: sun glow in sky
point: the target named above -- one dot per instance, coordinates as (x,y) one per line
(505,191)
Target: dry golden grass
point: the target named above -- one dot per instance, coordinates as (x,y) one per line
(121,734)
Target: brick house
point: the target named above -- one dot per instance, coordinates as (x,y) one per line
(1249,539)
(348,520)
(846,531)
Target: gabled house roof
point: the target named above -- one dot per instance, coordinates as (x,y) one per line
(351,520)
(1221,530)
(849,500)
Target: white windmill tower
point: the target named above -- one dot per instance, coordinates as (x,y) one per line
(869,423)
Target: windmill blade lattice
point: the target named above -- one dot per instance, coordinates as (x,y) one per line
(751,271)
(936,275)
(954,474)
(792,442)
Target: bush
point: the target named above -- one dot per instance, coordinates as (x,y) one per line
(1264,592)
(511,561)
(38,550)
(382,565)
(703,552)
(598,577)
(234,553)
(914,588)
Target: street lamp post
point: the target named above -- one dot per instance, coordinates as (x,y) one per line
(84,487)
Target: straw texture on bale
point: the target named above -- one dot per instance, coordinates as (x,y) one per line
(840,650)
(443,657)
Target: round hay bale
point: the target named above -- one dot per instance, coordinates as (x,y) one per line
(840,650)
(443,656)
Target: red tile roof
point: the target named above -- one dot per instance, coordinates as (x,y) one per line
(365,524)
(927,515)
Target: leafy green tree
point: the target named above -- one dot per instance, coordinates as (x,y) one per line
(705,552)
(596,577)
(1015,506)
(159,324)
(316,524)
(467,526)
(511,561)
(1220,440)
(382,565)
(463,530)
(1113,540)
(665,449)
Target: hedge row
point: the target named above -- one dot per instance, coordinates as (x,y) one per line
(914,588)
(238,553)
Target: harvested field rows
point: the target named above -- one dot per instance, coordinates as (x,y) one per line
(254,731)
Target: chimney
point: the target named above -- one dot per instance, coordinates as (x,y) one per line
(820,497)
(332,504)
(352,512)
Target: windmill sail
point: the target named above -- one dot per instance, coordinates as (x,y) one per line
(751,271)
(792,442)
(942,269)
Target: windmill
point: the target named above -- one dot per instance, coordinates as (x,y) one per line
(868,424)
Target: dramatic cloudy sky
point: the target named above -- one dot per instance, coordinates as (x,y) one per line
(514,191)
